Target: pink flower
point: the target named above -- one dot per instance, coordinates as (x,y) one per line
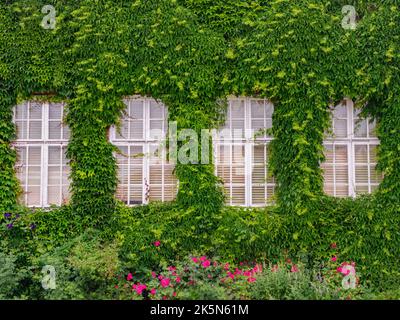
(333,245)
(160,277)
(215,263)
(334,259)
(209,276)
(251,279)
(172,268)
(206,263)
(174,294)
(238,271)
(129,277)
(247,273)
(153,292)
(203,258)
(178,279)
(339,269)
(116,286)
(294,268)
(226,266)
(195,260)
(140,288)
(165,282)
(274,268)
(157,243)
(230,275)
(165,298)
(153,274)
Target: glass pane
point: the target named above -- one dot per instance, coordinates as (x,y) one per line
(340,128)
(361,174)
(136,108)
(341,174)
(340,154)
(136,128)
(361,153)
(258,195)
(35,111)
(237,109)
(238,195)
(34,155)
(54,175)
(33,196)
(257,109)
(55,129)
(21,111)
(156,110)
(360,129)
(55,111)
(35,130)
(34,176)
(21,127)
(340,111)
(53,196)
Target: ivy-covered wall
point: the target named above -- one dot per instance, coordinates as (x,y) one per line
(190,54)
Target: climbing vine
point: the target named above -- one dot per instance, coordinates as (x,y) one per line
(191,55)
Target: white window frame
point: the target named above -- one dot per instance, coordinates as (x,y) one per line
(248,141)
(146,143)
(44,145)
(350,142)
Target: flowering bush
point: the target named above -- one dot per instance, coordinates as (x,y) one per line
(194,278)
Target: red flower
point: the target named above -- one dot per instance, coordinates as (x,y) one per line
(251,279)
(172,268)
(165,282)
(294,268)
(153,292)
(116,286)
(174,294)
(195,260)
(206,263)
(203,258)
(157,243)
(333,245)
(334,259)
(129,277)
(139,288)
(178,279)
(153,274)
(226,266)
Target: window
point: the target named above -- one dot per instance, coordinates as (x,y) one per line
(241,152)
(350,152)
(41,145)
(144,173)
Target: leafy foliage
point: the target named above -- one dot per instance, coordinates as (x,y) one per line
(191,55)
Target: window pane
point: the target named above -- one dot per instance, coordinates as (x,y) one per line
(361,172)
(361,153)
(340,128)
(360,129)
(35,130)
(35,111)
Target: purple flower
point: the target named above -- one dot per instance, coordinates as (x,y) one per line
(10,226)
(32,226)
(17,216)
(7,215)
